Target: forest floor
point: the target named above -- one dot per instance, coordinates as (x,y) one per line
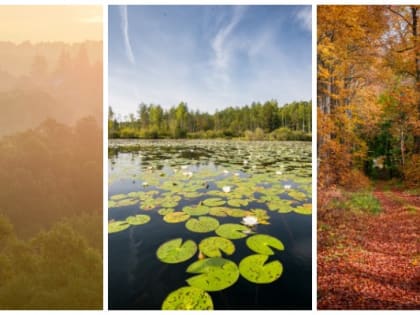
(370,260)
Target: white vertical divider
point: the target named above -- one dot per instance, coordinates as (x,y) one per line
(314,158)
(105,152)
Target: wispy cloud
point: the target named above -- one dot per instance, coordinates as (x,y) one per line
(211,57)
(125,32)
(304,16)
(220,43)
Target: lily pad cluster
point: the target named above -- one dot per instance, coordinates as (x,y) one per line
(240,181)
(118,226)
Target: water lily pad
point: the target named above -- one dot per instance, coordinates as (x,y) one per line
(219,211)
(261,216)
(282,206)
(165,211)
(118,197)
(214,202)
(238,213)
(176,217)
(125,202)
(191,194)
(135,194)
(188,298)
(138,219)
(304,209)
(202,224)
(149,204)
(215,274)
(232,231)
(254,269)
(196,210)
(174,251)
(297,195)
(169,203)
(237,202)
(117,226)
(261,244)
(112,204)
(214,246)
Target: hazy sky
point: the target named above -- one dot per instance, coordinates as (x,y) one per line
(50,23)
(209,56)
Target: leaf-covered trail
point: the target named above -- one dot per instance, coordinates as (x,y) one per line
(368,261)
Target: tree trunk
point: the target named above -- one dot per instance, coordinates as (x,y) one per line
(402,148)
(416,149)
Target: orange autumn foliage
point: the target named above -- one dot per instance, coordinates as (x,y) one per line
(365,53)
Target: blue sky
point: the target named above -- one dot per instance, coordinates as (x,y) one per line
(211,57)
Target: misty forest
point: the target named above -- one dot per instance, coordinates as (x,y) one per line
(51,175)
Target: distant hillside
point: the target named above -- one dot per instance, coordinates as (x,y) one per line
(16,59)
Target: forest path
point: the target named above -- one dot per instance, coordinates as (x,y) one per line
(371,261)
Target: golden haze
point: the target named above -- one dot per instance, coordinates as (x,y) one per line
(65,23)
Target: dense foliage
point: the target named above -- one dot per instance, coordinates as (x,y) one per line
(51,172)
(255,122)
(368,93)
(51,217)
(60,268)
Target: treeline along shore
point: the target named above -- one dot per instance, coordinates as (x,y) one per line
(258,121)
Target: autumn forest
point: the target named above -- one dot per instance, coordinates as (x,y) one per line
(369,156)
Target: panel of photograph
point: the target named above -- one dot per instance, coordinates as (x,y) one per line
(369,157)
(210,157)
(51,157)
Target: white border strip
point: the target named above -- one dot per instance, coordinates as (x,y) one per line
(105,153)
(314,160)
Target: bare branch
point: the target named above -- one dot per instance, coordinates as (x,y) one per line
(399,14)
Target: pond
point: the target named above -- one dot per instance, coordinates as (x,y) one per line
(204,224)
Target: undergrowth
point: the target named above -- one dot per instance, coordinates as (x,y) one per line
(363,201)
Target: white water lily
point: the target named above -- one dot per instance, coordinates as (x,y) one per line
(254,167)
(245,162)
(279,172)
(250,220)
(287,186)
(189,174)
(145,184)
(226,189)
(226,171)
(236,174)
(184,167)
